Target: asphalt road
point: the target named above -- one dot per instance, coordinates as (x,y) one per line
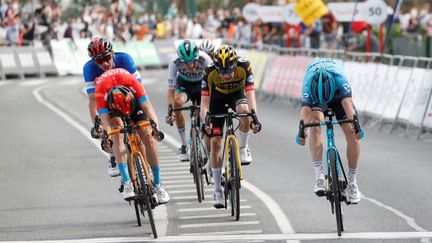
(54,184)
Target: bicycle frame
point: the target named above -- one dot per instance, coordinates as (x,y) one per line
(331,146)
(230,135)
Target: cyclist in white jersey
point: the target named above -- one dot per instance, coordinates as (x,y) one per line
(185,73)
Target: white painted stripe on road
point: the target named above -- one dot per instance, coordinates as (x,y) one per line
(162,209)
(211,216)
(2,83)
(274,208)
(204,202)
(225,233)
(179,186)
(221,224)
(185,210)
(32,82)
(250,235)
(176,176)
(178,172)
(171,168)
(410,221)
(189,191)
(176,181)
(190,197)
(167,165)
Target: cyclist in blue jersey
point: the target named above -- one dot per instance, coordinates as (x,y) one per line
(103,58)
(325,86)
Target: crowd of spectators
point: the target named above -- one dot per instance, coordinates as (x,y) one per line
(34,22)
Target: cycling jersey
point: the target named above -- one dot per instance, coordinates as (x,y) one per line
(343,89)
(115,77)
(177,67)
(121,60)
(243,80)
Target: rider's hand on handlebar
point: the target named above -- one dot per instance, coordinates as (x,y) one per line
(106,142)
(301,141)
(207,128)
(358,135)
(256,127)
(96,132)
(170,117)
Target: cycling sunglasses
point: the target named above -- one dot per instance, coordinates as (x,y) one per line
(101,60)
(193,61)
(223,71)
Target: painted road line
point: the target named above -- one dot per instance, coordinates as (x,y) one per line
(211,216)
(203,202)
(189,191)
(176,176)
(185,210)
(225,233)
(174,165)
(32,82)
(190,197)
(171,168)
(180,186)
(221,224)
(178,172)
(3,83)
(165,182)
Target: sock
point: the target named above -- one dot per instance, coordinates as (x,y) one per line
(352,179)
(123,167)
(182,135)
(217,177)
(156,174)
(243,139)
(318,168)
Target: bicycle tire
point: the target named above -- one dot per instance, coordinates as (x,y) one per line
(235,180)
(336,191)
(145,191)
(196,170)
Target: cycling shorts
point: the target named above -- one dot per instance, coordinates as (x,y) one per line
(335,105)
(217,106)
(192,90)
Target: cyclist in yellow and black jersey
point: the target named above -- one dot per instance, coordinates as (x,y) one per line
(228,81)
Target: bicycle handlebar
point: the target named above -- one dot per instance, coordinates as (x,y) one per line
(354,121)
(158,135)
(191,107)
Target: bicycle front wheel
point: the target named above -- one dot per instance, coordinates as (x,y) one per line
(196,165)
(235,180)
(336,191)
(144,191)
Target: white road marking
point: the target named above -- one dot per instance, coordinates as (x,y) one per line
(250,235)
(203,202)
(184,210)
(35,82)
(167,165)
(162,211)
(221,224)
(180,185)
(274,208)
(225,233)
(410,221)
(175,181)
(3,83)
(190,197)
(171,168)
(176,176)
(178,172)
(189,191)
(211,216)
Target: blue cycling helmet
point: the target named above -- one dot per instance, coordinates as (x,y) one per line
(323,86)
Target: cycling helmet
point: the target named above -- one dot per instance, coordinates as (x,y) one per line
(188,51)
(208,47)
(99,47)
(121,101)
(322,86)
(225,58)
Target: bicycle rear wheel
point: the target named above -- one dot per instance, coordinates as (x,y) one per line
(137,212)
(144,192)
(235,180)
(196,164)
(336,191)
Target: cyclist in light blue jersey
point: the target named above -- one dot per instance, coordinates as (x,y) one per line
(325,86)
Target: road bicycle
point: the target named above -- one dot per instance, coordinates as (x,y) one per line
(335,177)
(198,154)
(231,157)
(139,169)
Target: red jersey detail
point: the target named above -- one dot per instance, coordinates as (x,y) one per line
(204,93)
(249,87)
(115,77)
(216,131)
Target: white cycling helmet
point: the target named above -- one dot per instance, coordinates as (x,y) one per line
(208,47)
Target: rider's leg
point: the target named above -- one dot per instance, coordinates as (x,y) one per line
(352,152)
(216,166)
(243,135)
(316,149)
(180,99)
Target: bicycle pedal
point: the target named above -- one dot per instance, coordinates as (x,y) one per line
(121,188)
(245,163)
(320,193)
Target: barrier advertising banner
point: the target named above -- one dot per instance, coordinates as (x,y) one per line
(9,63)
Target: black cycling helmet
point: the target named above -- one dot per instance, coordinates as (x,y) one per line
(225,58)
(99,47)
(121,100)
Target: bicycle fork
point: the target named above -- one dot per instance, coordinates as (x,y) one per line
(226,148)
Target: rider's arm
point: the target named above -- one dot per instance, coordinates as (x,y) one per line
(249,86)
(172,77)
(348,106)
(92,106)
(205,103)
(149,110)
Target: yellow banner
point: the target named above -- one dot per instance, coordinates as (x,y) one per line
(310,10)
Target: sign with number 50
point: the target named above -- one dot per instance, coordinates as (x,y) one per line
(374,11)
